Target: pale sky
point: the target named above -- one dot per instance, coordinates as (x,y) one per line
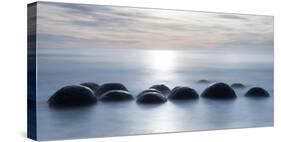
(75,25)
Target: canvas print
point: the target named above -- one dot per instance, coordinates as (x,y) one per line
(103,71)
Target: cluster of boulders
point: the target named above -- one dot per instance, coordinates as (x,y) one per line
(89,93)
(155,94)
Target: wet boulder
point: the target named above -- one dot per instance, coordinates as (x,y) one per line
(116,95)
(150,90)
(113,92)
(237,85)
(72,96)
(257,92)
(219,91)
(93,86)
(108,87)
(183,93)
(203,81)
(151,96)
(162,88)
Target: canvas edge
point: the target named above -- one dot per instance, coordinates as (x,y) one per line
(31,70)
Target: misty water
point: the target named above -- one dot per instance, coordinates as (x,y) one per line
(140,68)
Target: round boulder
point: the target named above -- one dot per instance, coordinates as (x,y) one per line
(113,92)
(108,87)
(219,91)
(162,88)
(93,86)
(116,95)
(257,92)
(72,96)
(150,90)
(183,93)
(237,85)
(203,81)
(151,96)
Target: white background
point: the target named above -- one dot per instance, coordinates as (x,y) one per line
(13,69)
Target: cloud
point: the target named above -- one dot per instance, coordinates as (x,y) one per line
(233,17)
(146,28)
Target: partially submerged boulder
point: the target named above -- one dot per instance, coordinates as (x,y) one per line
(257,92)
(93,86)
(113,92)
(150,90)
(237,85)
(72,96)
(151,96)
(162,88)
(219,91)
(183,93)
(108,87)
(203,81)
(116,95)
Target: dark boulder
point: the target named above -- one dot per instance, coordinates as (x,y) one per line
(162,88)
(183,93)
(113,92)
(237,85)
(151,96)
(219,91)
(93,86)
(203,81)
(108,87)
(257,92)
(116,95)
(72,96)
(150,90)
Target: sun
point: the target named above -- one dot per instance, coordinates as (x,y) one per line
(162,60)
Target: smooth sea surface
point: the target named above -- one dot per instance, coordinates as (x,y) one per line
(140,68)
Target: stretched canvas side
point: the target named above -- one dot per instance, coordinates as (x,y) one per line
(31,72)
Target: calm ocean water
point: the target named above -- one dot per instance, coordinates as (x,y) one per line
(138,69)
